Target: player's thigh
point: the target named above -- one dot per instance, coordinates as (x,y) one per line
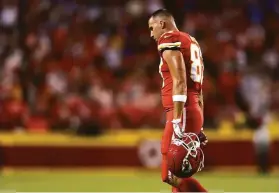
(167,134)
(194,119)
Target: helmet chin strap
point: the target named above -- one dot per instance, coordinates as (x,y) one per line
(201,166)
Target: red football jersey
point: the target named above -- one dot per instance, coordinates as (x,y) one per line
(190,49)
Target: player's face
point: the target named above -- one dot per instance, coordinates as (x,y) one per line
(155,27)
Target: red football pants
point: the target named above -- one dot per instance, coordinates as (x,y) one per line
(193,116)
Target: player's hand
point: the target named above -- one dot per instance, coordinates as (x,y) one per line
(203,138)
(177,128)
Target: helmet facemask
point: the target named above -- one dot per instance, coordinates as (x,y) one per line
(191,143)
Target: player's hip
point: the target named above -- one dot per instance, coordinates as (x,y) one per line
(193,101)
(190,113)
(191,120)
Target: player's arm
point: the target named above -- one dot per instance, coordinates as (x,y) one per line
(175,61)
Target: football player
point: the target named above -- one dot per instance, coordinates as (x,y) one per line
(181,69)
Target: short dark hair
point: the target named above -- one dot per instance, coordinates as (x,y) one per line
(161,12)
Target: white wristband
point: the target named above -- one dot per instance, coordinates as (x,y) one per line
(180,98)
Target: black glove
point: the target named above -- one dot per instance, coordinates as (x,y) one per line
(203,139)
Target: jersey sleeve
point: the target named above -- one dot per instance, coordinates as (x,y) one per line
(169,41)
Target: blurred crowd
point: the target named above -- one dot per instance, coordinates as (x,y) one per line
(79,64)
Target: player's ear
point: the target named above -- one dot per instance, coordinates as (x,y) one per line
(162,24)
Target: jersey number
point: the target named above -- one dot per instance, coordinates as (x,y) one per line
(197,64)
(196,73)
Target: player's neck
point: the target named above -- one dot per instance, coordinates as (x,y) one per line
(169,31)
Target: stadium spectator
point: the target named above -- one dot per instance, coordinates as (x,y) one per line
(67,62)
